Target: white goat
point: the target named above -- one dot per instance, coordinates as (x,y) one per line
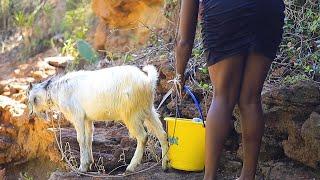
(122,93)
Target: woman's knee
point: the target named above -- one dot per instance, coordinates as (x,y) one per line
(224,101)
(249,101)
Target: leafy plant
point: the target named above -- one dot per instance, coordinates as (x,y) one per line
(128,57)
(77,21)
(205,86)
(75,25)
(300,49)
(26,176)
(87,51)
(169,5)
(289,80)
(69,48)
(197,52)
(204,70)
(23,20)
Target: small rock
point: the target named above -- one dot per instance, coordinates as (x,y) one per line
(233,166)
(17,72)
(2,86)
(6,88)
(30,79)
(7,129)
(288,171)
(127,142)
(7,93)
(13,91)
(60,62)
(43,66)
(51,72)
(5,142)
(3,174)
(21,96)
(39,75)
(307,150)
(17,87)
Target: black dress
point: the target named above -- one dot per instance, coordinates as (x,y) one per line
(231,27)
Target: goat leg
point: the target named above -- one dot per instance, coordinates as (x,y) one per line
(137,130)
(84,149)
(89,128)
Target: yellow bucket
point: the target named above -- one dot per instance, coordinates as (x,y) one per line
(187,142)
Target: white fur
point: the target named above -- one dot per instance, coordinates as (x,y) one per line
(122,93)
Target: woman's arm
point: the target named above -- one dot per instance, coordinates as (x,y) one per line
(186,33)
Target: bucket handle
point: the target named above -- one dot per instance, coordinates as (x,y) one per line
(196,102)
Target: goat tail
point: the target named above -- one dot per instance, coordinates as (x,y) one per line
(152,74)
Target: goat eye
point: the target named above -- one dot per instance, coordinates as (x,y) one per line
(35,100)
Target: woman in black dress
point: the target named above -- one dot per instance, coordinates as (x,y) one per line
(241,38)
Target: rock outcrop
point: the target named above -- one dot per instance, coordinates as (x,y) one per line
(292,123)
(22,138)
(121,20)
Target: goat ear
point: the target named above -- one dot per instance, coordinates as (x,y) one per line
(47,83)
(30,86)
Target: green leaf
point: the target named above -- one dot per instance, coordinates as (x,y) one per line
(204,70)
(128,58)
(86,51)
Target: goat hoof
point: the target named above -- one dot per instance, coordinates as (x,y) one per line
(127,172)
(91,165)
(83,168)
(165,165)
(130,169)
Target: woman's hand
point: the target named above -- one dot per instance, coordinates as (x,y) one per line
(180,84)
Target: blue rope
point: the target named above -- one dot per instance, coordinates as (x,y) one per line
(196,102)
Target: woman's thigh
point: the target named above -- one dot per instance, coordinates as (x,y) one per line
(226,77)
(255,72)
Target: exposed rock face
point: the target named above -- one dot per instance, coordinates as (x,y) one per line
(22,138)
(307,150)
(285,171)
(292,126)
(121,20)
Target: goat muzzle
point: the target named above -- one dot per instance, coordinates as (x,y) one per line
(31,112)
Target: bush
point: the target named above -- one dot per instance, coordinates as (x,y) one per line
(300,49)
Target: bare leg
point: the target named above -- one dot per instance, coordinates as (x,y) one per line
(226,76)
(252,122)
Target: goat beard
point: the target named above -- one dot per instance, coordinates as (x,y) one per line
(42,114)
